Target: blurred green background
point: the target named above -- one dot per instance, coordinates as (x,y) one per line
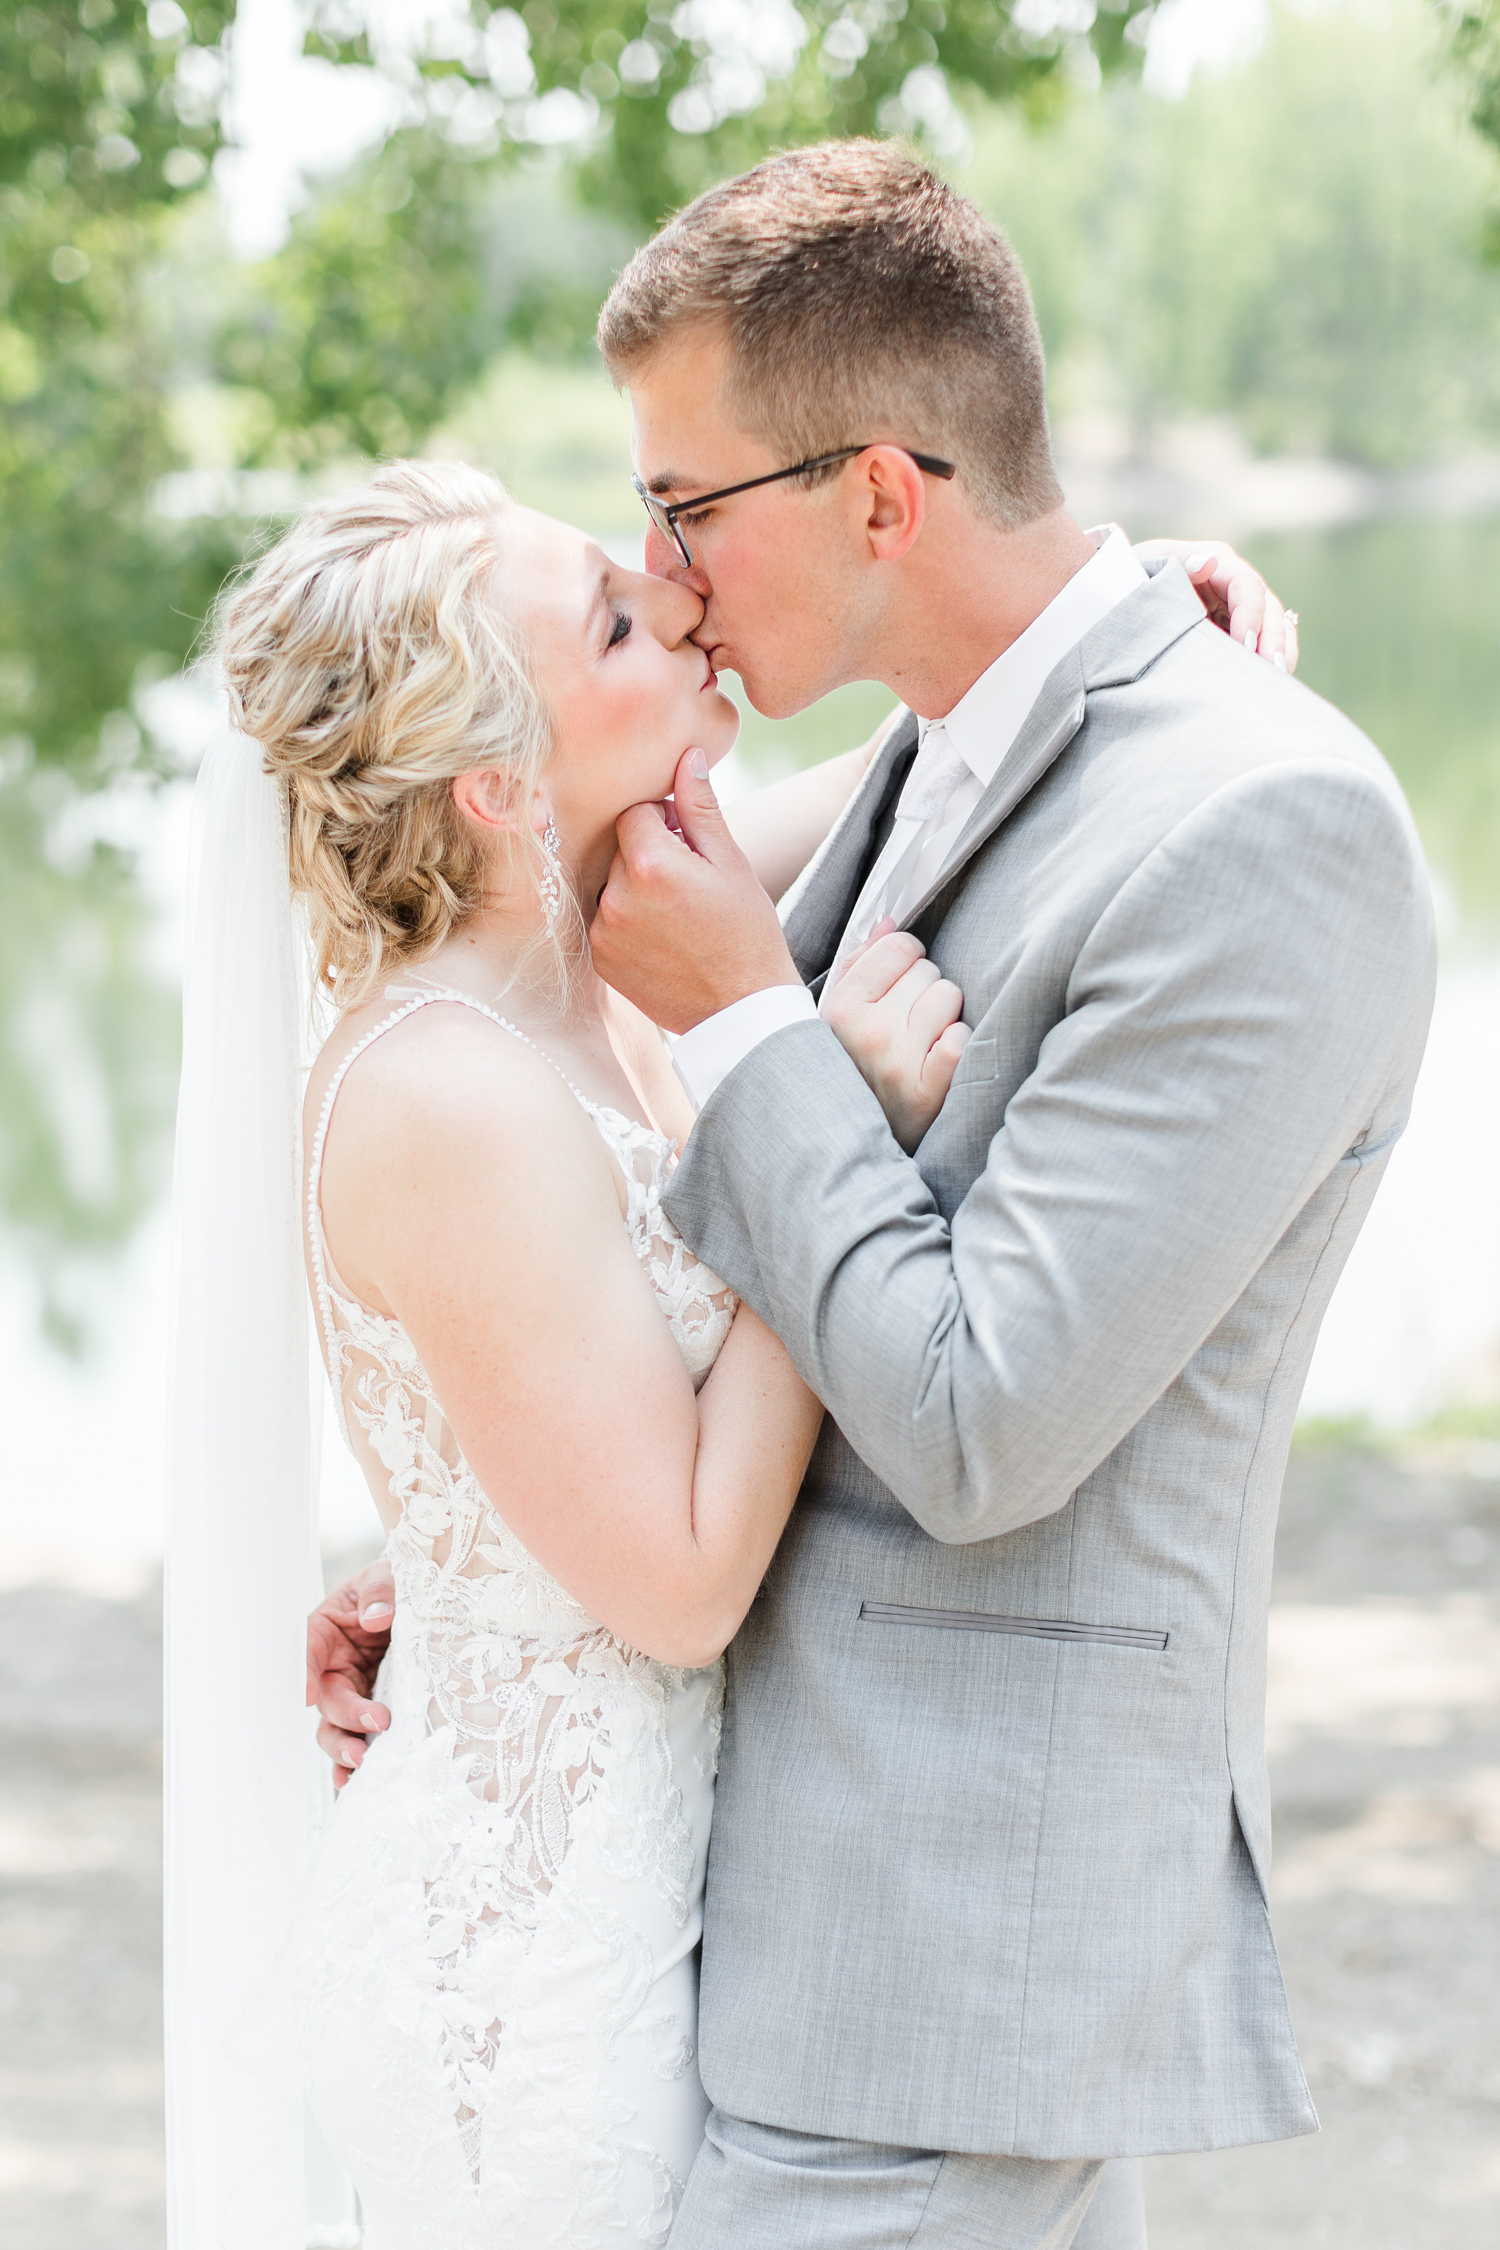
(1263,284)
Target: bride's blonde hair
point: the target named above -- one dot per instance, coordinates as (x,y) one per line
(366,657)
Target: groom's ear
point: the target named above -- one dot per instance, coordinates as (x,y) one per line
(893,499)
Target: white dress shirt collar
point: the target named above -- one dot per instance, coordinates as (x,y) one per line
(985,722)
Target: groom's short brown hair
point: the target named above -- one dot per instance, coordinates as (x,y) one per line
(860,298)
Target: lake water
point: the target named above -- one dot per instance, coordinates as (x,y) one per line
(1400,626)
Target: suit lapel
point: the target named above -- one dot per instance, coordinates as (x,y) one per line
(817,906)
(1120,648)
(1054,719)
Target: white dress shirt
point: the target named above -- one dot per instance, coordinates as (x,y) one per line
(957,759)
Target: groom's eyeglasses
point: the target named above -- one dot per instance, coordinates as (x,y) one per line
(665,518)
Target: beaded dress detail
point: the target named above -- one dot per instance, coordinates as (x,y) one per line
(500,1954)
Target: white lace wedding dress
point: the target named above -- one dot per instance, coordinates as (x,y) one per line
(500,1953)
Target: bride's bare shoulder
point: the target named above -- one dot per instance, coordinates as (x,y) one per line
(456,1158)
(442,1081)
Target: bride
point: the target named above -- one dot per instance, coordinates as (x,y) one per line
(581,1450)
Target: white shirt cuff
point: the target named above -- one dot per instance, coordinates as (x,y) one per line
(704,1056)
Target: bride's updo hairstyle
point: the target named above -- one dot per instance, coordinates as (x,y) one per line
(365,656)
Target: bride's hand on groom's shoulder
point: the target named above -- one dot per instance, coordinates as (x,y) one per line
(897,1016)
(1236,597)
(347,1635)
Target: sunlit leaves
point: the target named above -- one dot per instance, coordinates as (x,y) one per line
(104,94)
(1474,33)
(668,95)
(397,288)
(108,115)
(108,119)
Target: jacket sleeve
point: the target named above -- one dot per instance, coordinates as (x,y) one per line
(1233,1020)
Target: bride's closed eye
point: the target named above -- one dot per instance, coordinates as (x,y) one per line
(620,630)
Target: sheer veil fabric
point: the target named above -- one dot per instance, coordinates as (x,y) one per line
(245,1786)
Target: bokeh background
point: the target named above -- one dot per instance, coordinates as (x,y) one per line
(245,249)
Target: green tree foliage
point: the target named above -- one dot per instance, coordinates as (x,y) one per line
(1474,33)
(88,1053)
(398,286)
(863,66)
(689,91)
(1292,247)
(108,120)
(1474,39)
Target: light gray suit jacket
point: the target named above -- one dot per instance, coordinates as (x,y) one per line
(989,1861)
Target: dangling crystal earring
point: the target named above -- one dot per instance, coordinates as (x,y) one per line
(551,883)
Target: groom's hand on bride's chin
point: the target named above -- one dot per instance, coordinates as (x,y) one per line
(347,1635)
(683,928)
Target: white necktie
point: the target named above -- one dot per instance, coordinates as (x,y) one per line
(937,771)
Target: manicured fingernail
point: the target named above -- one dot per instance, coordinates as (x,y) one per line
(697,765)
(375,1613)
(1195,563)
(1279,661)
(347,1758)
(1251,638)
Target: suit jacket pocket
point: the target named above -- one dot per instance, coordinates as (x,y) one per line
(1028,1628)
(978,1067)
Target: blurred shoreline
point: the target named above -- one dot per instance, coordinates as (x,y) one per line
(1200,477)
(1200,470)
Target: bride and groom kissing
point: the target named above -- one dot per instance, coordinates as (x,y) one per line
(943,1376)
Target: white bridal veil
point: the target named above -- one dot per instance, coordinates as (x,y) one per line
(244,1790)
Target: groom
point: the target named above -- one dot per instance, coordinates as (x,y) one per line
(987,1891)
(986,1903)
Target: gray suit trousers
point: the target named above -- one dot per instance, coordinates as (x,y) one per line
(759,2187)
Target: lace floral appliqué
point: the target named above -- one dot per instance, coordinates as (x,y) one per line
(477,1957)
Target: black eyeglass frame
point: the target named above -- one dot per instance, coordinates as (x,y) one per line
(665,519)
